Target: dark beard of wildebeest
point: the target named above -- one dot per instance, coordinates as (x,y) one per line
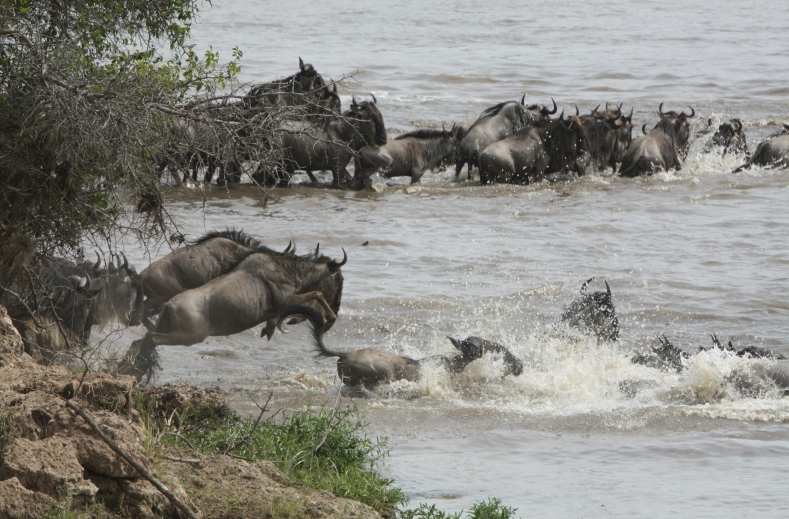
(408,155)
(257,289)
(332,146)
(372,367)
(494,124)
(661,148)
(731,138)
(594,314)
(120,298)
(58,294)
(528,155)
(194,265)
(771,153)
(609,133)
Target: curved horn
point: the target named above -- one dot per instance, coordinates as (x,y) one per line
(561,116)
(375,101)
(97,265)
(353,101)
(608,289)
(660,109)
(586,283)
(577,113)
(554,107)
(631,113)
(334,265)
(644,128)
(523,100)
(317,249)
(692,112)
(334,86)
(301,64)
(606,105)
(287,249)
(443,128)
(594,111)
(125,261)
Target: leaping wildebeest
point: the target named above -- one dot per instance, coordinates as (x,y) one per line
(121,297)
(494,124)
(295,89)
(407,155)
(370,368)
(594,313)
(661,148)
(731,138)
(771,153)
(256,290)
(331,146)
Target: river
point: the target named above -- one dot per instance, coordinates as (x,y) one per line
(686,253)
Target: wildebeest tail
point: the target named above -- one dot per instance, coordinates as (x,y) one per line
(316,321)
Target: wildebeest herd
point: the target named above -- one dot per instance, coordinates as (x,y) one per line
(228,282)
(511,142)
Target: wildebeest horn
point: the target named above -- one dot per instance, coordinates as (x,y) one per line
(594,110)
(561,116)
(554,107)
(644,128)
(737,124)
(97,265)
(577,112)
(334,86)
(692,112)
(317,249)
(125,261)
(301,64)
(586,283)
(660,109)
(455,342)
(523,100)
(287,249)
(631,113)
(375,101)
(607,288)
(353,101)
(335,266)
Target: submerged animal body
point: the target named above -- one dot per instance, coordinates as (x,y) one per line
(594,314)
(731,138)
(771,153)
(370,368)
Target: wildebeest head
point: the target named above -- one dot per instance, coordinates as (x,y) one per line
(623,126)
(564,139)
(308,78)
(542,114)
(370,121)
(331,284)
(594,313)
(665,357)
(680,122)
(328,100)
(731,137)
(126,293)
(473,348)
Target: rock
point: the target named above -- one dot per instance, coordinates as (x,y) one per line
(47,466)
(11,346)
(178,399)
(20,503)
(224,487)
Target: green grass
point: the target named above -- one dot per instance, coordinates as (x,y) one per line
(489,509)
(343,464)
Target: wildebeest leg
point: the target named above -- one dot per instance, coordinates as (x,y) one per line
(269,329)
(300,299)
(312,177)
(141,359)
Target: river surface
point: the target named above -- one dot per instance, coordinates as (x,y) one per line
(686,253)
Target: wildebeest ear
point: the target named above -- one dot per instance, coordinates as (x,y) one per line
(585,284)
(523,100)
(353,102)
(301,64)
(334,87)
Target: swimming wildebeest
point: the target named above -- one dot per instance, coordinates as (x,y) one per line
(594,313)
(661,148)
(532,152)
(731,138)
(609,134)
(57,294)
(256,290)
(772,153)
(494,124)
(371,367)
(331,146)
(407,155)
(194,265)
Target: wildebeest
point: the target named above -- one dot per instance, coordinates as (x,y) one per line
(121,297)
(297,89)
(609,134)
(256,290)
(665,357)
(331,146)
(731,138)
(495,123)
(57,294)
(661,148)
(526,156)
(773,152)
(407,155)
(370,368)
(594,313)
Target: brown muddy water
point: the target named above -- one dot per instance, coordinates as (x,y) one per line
(687,254)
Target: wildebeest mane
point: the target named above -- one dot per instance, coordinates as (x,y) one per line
(493,110)
(232,234)
(422,133)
